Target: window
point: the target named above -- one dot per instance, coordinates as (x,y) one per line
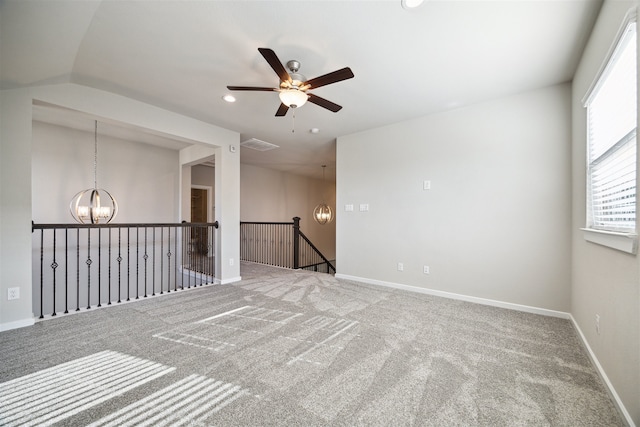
(611,134)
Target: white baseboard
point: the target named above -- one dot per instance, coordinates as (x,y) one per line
(451,295)
(230,280)
(17,324)
(603,375)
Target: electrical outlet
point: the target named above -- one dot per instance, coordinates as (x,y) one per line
(13,293)
(426,269)
(598,324)
(231,261)
(400,266)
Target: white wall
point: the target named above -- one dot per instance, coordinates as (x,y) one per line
(269,195)
(605,281)
(15,208)
(495,223)
(142,178)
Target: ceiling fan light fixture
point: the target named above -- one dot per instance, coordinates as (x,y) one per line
(293,98)
(293,86)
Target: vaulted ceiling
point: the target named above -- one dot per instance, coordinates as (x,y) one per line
(181,55)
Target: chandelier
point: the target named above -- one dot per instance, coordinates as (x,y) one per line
(323,213)
(94,205)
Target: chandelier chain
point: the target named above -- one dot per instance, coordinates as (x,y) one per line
(95,155)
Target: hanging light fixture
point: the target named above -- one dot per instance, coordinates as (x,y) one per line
(94,205)
(323,213)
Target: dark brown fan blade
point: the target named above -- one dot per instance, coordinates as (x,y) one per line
(327,79)
(324,103)
(261,89)
(282,110)
(275,63)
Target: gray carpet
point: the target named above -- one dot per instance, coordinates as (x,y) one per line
(293,348)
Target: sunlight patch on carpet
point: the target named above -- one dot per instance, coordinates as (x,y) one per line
(50,395)
(187,402)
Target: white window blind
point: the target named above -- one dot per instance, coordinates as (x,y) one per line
(612,124)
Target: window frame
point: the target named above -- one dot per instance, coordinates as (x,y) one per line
(622,240)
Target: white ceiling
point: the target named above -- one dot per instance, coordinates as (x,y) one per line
(181,55)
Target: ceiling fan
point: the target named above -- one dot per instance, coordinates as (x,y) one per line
(294,87)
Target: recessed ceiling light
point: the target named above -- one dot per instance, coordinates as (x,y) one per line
(229,98)
(314,130)
(411,4)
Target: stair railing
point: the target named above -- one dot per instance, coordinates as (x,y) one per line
(281,244)
(78,265)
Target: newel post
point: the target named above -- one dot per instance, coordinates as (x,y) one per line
(296,242)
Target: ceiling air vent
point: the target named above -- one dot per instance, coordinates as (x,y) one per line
(256,144)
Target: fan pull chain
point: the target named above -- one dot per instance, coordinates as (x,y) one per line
(293,129)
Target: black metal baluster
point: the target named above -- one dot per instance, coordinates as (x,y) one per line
(203,260)
(66,271)
(210,254)
(153,281)
(137,263)
(213,254)
(99,267)
(256,244)
(199,253)
(192,268)
(109,267)
(169,259)
(128,264)
(286,252)
(182,257)
(161,259)
(54,266)
(119,259)
(175,258)
(42,274)
(146,258)
(194,253)
(203,257)
(89,262)
(185,255)
(77,269)
(189,238)
(259,245)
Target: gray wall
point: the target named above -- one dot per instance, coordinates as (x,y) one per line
(605,281)
(495,223)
